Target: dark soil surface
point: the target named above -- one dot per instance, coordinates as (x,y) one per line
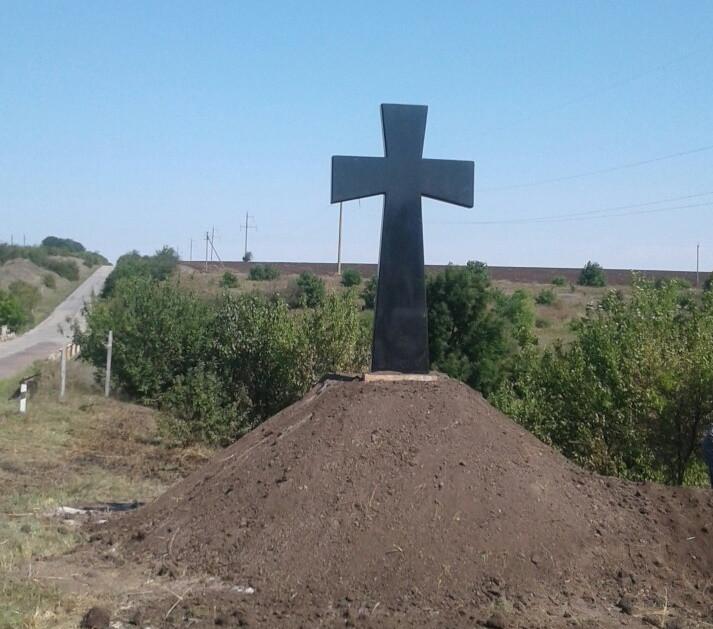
(412,504)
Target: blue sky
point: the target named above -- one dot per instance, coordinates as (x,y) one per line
(130,125)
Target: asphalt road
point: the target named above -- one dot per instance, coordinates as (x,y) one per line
(39,342)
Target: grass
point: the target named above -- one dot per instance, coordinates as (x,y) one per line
(51,298)
(554,319)
(83,450)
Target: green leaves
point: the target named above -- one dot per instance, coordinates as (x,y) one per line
(631,395)
(220,367)
(474,331)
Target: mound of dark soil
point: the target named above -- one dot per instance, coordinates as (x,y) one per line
(418,504)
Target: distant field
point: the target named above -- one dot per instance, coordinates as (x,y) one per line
(552,320)
(537,275)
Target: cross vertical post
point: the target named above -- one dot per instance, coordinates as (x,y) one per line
(403,176)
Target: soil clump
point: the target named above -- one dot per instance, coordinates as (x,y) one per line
(415,504)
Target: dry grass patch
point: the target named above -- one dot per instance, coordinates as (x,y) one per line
(81,451)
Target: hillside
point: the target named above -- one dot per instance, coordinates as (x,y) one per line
(40,277)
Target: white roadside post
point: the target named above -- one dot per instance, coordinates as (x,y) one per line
(62,371)
(108,363)
(23,397)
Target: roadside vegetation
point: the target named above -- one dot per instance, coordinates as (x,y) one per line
(84,450)
(35,279)
(617,379)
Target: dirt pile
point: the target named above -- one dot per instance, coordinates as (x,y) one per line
(418,504)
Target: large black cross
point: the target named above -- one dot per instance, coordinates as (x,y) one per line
(400,341)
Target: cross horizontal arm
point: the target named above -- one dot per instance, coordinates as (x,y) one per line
(448,180)
(357,177)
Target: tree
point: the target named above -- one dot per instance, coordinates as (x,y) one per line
(473,331)
(369,293)
(632,393)
(63,243)
(311,288)
(228,280)
(12,314)
(351,277)
(263,272)
(592,274)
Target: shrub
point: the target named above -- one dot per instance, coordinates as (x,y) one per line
(248,256)
(546,297)
(311,289)
(67,244)
(558,280)
(541,323)
(351,277)
(12,314)
(217,368)
(592,274)
(159,266)
(228,280)
(49,281)
(68,269)
(263,272)
(339,337)
(369,293)
(27,295)
(159,334)
(631,395)
(473,330)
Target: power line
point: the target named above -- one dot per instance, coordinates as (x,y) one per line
(598,172)
(587,95)
(592,214)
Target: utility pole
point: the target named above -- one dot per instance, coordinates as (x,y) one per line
(246,227)
(207,240)
(339,242)
(698,247)
(190,255)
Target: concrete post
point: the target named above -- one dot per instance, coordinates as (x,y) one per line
(108,364)
(23,397)
(62,371)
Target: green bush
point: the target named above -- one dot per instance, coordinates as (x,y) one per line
(369,293)
(263,272)
(159,334)
(159,266)
(67,244)
(339,336)
(228,280)
(217,368)
(632,393)
(311,289)
(541,323)
(473,330)
(351,277)
(12,314)
(68,269)
(49,281)
(558,280)
(546,297)
(592,274)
